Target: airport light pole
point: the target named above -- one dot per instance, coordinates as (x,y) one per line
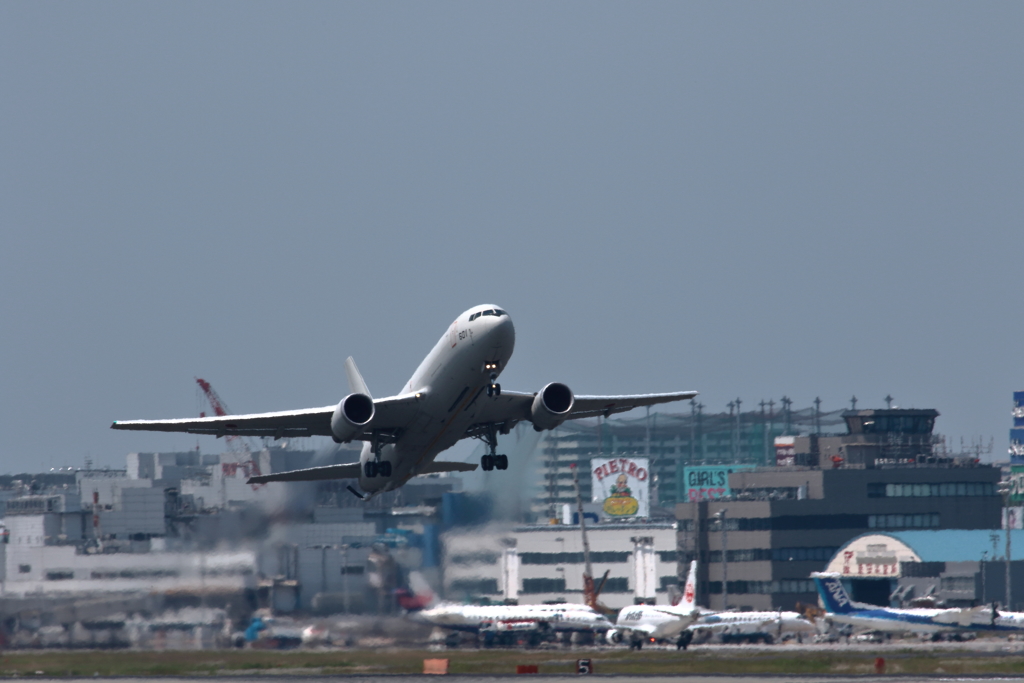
(720,516)
(322,547)
(344,574)
(1004,490)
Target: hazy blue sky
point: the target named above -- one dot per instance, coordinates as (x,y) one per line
(748,199)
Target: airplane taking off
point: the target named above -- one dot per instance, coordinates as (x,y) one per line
(454,394)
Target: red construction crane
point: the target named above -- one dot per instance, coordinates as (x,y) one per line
(218,406)
(235,443)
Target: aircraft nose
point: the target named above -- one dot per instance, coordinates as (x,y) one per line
(502,331)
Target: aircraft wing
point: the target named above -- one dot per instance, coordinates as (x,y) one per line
(391,414)
(350,471)
(592,406)
(514,406)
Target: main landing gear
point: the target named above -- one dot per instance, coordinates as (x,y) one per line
(492,460)
(376,467)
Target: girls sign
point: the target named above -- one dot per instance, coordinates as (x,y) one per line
(621,486)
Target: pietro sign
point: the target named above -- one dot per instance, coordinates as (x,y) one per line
(621,486)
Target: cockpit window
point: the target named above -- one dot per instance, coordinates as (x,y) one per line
(491,311)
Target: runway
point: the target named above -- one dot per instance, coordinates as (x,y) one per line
(545,678)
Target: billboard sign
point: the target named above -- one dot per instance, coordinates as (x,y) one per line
(621,486)
(1017,484)
(785,451)
(708,482)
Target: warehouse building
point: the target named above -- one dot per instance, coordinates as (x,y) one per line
(954,568)
(544,563)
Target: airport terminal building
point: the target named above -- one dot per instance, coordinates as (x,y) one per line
(776,525)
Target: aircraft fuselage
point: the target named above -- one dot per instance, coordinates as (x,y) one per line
(452,381)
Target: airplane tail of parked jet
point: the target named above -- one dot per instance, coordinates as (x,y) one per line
(833,593)
(689,600)
(418,596)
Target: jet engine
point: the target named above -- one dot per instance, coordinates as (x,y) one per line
(351,416)
(613,636)
(551,406)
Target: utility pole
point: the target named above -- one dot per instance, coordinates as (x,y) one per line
(853,403)
(647,434)
(764,432)
(732,404)
(786,403)
(738,418)
(693,427)
(888,401)
(817,415)
(1004,490)
(720,516)
(344,574)
(700,432)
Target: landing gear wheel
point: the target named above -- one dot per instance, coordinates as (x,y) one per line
(370,470)
(487,462)
(384,468)
(501,462)
(494,390)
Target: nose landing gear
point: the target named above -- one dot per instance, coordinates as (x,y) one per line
(494,389)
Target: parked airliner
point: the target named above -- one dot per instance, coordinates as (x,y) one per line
(842,610)
(659,622)
(767,627)
(497,622)
(454,394)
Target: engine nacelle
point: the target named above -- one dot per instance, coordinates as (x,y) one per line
(613,636)
(551,406)
(351,416)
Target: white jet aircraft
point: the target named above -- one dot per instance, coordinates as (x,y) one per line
(750,627)
(499,621)
(659,622)
(841,609)
(454,394)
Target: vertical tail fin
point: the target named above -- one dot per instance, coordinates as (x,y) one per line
(355,381)
(689,601)
(833,594)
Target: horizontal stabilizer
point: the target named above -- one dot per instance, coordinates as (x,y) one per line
(350,471)
(438,467)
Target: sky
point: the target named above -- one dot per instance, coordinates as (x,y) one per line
(747,199)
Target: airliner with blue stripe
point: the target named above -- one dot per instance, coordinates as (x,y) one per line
(842,610)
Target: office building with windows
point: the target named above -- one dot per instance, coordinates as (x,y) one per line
(779,524)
